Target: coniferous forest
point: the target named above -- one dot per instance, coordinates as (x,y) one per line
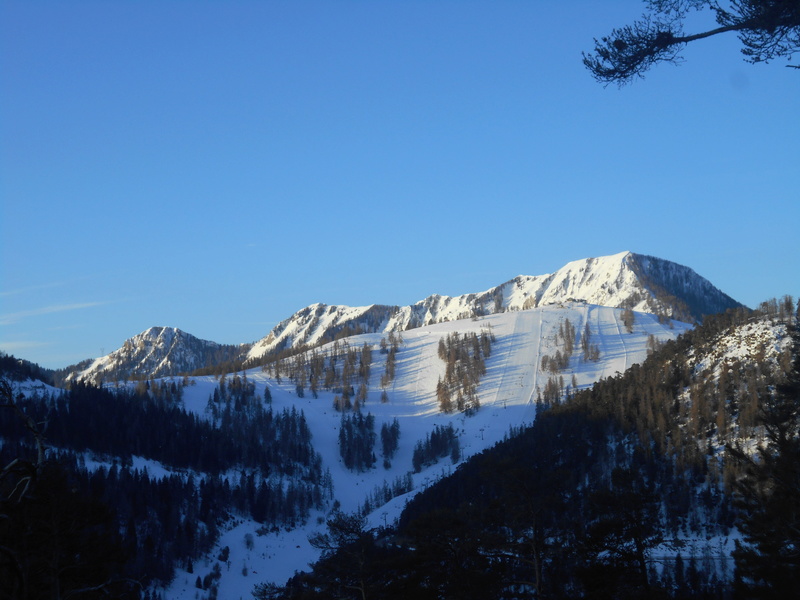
(127,529)
(598,497)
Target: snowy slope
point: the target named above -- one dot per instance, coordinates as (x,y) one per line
(507,392)
(643,283)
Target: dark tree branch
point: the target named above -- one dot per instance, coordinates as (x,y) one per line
(767,29)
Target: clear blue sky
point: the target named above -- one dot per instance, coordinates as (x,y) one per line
(216,166)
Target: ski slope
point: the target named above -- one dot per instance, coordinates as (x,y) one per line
(508,392)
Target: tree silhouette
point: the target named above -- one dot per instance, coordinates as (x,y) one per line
(767,29)
(768,561)
(348,539)
(55,541)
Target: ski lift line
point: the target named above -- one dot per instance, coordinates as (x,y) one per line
(622,341)
(598,328)
(418,368)
(536,354)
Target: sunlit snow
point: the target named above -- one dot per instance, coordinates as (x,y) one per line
(508,394)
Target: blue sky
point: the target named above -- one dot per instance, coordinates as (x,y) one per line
(216,166)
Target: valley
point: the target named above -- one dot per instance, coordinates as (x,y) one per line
(482,381)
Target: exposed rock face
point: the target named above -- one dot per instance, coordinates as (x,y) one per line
(158,352)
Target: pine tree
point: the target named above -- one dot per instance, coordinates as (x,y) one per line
(767,29)
(768,561)
(390,435)
(623,529)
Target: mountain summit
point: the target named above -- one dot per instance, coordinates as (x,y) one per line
(157,352)
(625,280)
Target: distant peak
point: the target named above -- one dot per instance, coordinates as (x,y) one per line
(159,351)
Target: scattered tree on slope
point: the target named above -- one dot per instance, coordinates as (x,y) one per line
(440,443)
(465,363)
(357,441)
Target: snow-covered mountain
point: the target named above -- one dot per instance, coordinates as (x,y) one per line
(624,280)
(517,373)
(157,352)
(514,380)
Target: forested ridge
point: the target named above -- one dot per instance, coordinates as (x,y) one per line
(17,369)
(630,489)
(130,528)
